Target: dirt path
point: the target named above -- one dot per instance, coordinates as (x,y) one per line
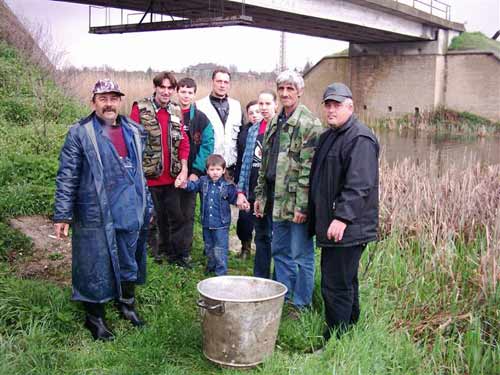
(51,258)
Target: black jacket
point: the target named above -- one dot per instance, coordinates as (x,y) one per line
(242,142)
(344,184)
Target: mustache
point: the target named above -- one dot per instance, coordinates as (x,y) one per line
(109,109)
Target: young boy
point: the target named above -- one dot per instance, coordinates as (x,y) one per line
(217,194)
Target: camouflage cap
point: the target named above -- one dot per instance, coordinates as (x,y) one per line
(106,85)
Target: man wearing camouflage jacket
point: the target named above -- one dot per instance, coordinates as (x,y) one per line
(283,186)
(165,161)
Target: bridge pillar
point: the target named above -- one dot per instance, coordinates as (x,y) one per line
(392,79)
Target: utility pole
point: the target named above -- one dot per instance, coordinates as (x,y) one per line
(282,63)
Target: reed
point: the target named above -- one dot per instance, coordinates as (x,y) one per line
(441,210)
(137,85)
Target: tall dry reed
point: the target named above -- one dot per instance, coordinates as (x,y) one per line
(137,85)
(441,210)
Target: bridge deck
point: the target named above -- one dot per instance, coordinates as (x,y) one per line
(358,21)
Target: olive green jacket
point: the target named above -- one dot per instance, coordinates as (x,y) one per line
(298,140)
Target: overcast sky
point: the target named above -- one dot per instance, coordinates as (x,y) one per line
(247,48)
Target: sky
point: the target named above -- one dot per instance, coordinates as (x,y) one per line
(247,48)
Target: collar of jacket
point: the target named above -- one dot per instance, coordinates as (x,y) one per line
(219,182)
(120,120)
(347,125)
(216,98)
(291,121)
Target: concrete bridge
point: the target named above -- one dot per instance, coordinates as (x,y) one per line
(357,21)
(398,60)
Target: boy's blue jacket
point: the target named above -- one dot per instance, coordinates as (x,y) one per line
(215,210)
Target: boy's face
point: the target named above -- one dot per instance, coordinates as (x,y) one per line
(253,114)
(186,96)
(215,172)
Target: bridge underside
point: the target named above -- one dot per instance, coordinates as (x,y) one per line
(358,21)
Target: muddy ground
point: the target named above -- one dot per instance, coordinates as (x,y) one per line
(50,258)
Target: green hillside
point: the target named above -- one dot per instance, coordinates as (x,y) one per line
(474,41)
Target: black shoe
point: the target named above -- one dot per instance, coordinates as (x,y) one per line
(184,263)
(158,260)
(128,313)
(98,328)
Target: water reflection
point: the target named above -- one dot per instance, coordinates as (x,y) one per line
(446,149)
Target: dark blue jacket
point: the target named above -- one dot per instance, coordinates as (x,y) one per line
(215,210)
(98,197)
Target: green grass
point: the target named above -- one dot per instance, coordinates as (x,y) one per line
(41,331)
(474,41)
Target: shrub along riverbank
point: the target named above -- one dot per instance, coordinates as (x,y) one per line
(442,120)
(428,293)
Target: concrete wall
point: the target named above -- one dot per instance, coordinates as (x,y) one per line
(392,85)
(473,84)
(387,86)
(328,70)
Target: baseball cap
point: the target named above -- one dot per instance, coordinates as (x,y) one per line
(106,85)
(338,92)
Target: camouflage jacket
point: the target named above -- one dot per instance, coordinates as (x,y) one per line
(298,140)
(153,154)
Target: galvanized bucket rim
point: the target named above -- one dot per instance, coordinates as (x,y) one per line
(206,295)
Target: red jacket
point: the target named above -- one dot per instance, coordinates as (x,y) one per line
(162,116)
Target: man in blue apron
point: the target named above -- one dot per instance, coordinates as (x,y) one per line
(101,191)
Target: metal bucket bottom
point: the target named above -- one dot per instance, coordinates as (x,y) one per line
(240,319)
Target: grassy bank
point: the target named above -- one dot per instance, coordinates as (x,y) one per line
(428,288)
(441,120)
(474,41)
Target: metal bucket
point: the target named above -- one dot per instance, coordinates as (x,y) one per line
(240,319)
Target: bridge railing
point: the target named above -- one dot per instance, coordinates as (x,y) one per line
(434,7)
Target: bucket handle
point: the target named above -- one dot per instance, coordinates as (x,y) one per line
(215,309)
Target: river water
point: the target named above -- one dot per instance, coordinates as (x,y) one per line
(445,149)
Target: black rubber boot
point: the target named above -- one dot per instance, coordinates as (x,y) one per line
(95,322)
(126,305)
(246,248)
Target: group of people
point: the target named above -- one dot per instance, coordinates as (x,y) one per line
(292,178)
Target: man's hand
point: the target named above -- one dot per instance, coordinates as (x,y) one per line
(335,231)
(299,217)
(257,210)
(61,229)
(193,177)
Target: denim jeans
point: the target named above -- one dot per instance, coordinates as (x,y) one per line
(216,249)
(293,254)
(263,235)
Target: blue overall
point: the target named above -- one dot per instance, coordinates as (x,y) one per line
(106,199)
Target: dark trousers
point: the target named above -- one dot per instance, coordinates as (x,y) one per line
(263,238)
(245,225)
(339,286)
(174,214)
